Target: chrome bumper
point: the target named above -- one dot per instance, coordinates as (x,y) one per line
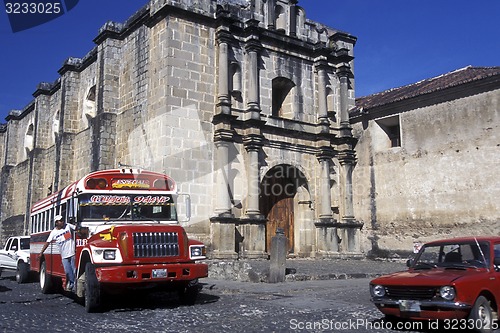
(424,303)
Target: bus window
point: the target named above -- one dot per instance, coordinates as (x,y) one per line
(116,207)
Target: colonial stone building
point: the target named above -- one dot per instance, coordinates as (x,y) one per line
(428,160)
(244,102)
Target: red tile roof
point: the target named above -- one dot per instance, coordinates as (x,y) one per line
(427,86)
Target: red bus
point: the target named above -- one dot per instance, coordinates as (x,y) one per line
(127,236)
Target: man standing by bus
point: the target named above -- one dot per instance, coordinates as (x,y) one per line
(62,235)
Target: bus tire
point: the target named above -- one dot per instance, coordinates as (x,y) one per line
(22,272)
(92,293)
(189,292)
(46,282)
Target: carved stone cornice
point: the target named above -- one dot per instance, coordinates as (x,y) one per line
(253,142)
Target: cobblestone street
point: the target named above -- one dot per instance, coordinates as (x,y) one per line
(223,306)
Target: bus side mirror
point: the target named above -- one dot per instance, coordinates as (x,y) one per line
(186,216)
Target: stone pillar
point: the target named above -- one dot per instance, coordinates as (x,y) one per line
(271,14)
(326,235)
(253,144)
(223,236)
(344,71)
(103,126)
(348,222)
(347,207)
(321,70)
(325,193)
(278,257)
(327,244)
(223,200)
(253,48)
(253,232)
(224,102)
(293,18)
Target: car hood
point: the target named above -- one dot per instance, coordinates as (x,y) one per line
(428,277)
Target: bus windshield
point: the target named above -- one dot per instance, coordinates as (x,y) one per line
(134,207)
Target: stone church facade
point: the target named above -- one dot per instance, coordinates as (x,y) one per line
(244,102)
(428,160)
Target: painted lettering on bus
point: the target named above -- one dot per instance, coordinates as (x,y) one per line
(151,199)
(81,242)
(110,199)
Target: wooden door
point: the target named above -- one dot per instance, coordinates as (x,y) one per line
(281,216)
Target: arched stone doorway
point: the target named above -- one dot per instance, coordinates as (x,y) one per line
(277,201)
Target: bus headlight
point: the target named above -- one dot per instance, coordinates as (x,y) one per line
(109,254)
(197,252)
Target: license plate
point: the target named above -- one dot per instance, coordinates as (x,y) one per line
(409,306)
(159,273)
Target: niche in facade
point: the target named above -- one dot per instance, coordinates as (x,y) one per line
(330,104)
(235,81)
(282,97)
(55,125)
(29,140)
(280,18)
(89,105)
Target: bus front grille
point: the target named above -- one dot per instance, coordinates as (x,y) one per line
(155,244)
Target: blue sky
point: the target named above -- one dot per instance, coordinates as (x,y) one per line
(399,41)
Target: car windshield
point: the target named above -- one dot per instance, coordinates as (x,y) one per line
(127,207)
(454,255)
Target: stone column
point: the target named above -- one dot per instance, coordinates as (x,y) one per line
(253,100)
(253,144)
(270,14)
(321,66)
(223,201)
(293,18)
(347,162)
(326,234)
(252,225)
(347,207)
(344,71)
(325,193)
(224,102)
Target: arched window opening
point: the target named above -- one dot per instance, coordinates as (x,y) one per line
(280,18)
(282,101)
(29,139)
(56,121)
(89,105)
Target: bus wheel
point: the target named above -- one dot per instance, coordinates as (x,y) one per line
(46,283)
(92,289)
(22,272)
(189,292)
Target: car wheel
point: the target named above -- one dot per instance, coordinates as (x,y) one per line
(189,292)
(92,295)
(46,282)
(22,272)
(483,315)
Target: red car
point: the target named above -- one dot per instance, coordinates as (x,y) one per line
(452,279)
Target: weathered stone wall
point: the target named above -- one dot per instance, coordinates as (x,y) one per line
(441,182)
(150,95)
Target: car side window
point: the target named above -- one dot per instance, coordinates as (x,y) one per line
(9,243)
(496,251)
(15,245)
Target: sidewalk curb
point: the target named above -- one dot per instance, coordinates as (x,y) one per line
(333,276)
